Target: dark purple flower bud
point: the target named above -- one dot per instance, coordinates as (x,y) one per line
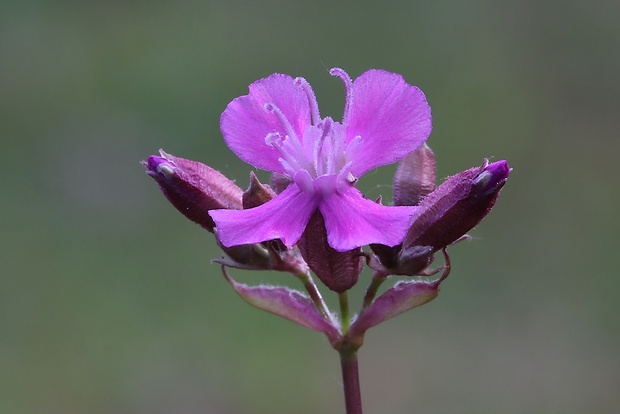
(449,212)
(414,180)
(339,271)
(193,188)
(415,177)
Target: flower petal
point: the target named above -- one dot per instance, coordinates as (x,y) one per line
(285,217)
(391,116)
(245,123)
(353,221)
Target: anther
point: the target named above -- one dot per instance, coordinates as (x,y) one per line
(273,139)
(290,145)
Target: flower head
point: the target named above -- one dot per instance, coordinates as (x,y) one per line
(277,127)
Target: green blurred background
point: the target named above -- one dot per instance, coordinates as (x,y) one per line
(108,300)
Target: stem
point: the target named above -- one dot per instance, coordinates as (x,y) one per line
(345,320)
(351,382)
(314,293)
(377,279)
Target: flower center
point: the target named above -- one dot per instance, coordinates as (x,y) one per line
(321,152)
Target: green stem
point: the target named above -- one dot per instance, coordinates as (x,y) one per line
(314,293)
(345,319)
(377,279)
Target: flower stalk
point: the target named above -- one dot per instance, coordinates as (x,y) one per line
(345,318)
(351,382)
(378,277)
(313,291)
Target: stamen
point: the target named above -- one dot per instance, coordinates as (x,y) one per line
(273,138)
(320,162)
(316,161)
(338,155)
(289,160)
(353,147)
(291,137)
(288,128)
(287,167)
(314,105)
(345,175)
(304,181)
(348,83)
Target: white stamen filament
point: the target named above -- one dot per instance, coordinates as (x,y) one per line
(290,147)
(320,163)
(348,86)
(314,105)
(289,160)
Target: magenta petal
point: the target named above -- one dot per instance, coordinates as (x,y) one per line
(392,117)
(400,298)
(285,217)
(245,123)
(352,221)
(287,303)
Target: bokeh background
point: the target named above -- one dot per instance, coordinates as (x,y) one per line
(109,302)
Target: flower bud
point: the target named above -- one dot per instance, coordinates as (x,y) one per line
(449,212)
(414,180)
(415,177)
(193,188)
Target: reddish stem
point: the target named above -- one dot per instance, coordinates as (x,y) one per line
(351,382)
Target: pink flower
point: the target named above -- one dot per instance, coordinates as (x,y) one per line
(277,127)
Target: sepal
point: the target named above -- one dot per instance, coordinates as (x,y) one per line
(270,255)
(288,303)
(279,182)
(401,297)
(339,271)
(257,193)
(247,257)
